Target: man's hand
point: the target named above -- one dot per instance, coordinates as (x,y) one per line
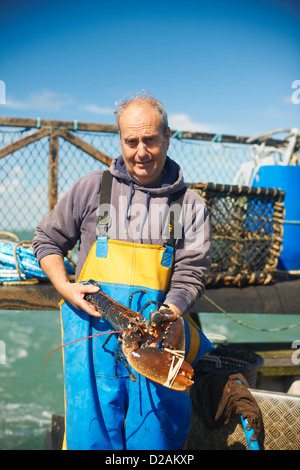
(74,293)
(54,267)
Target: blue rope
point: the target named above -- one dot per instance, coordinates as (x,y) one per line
(292,222)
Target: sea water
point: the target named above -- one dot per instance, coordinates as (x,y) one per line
(28,398)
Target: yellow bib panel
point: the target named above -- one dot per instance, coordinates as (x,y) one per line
(128,263)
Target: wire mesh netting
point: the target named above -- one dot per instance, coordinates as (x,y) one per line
(74,163)
(24,182)
(239,221)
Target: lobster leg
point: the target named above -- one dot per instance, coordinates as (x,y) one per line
(117,357)
(106,341)
(140,291)
(149,303)
(120,357)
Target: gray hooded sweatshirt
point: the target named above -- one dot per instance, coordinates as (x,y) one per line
(140,215)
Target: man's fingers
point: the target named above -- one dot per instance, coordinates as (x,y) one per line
(79,301)
(88,288)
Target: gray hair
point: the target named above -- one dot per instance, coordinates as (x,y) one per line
(142,97)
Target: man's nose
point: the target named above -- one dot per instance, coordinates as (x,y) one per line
(142,149)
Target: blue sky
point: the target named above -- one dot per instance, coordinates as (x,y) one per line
(219,66)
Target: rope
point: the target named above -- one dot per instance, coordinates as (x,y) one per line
(174,369)
(239,322)
(15,241)
(9,235)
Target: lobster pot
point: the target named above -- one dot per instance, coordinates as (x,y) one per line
(225,358)
(288,179)
(247,230)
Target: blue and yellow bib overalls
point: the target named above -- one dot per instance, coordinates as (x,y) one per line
(102,411)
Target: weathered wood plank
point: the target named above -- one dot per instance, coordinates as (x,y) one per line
(40,296)
(279,363)
(18,144)
(71,125)
(277,358)
(86,147)
(53,169)
(111,128)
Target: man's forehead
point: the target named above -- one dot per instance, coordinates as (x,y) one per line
(132,130)
(137,116)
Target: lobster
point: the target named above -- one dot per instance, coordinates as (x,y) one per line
(164,364)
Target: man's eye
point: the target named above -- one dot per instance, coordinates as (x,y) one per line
(149,140)
(131,143)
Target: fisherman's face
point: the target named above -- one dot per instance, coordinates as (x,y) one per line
(144,143)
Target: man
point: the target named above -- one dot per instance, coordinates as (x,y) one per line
(128,251)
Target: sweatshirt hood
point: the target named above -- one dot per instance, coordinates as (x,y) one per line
(171,183)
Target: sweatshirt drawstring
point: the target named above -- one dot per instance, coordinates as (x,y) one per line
(129,202)
(145,215)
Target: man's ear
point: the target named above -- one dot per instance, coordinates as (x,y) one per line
(168,134)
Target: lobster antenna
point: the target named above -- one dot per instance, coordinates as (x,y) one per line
(80,339)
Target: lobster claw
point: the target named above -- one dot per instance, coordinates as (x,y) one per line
(156,365)
(159,317)
(164,365)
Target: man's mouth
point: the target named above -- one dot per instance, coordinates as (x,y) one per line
(144,164)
